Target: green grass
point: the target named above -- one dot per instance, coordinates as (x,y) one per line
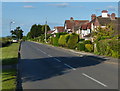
(10,54)
(9,80)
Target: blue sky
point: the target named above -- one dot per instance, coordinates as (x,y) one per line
(25,14)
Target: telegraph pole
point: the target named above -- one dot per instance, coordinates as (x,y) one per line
(46,30)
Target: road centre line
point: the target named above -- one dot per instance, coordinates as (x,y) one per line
(69,66)
(94,80)
(57,59)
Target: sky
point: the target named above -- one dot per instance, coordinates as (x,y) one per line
(25,14)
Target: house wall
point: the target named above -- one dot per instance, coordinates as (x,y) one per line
(85,32)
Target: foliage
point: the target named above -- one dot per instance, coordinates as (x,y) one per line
(103,33)
(87,42)
(81,46)
(108,47)
(81,40)
(89,47)
(17,33)
(37,30)
(63,40)
(55,41)
(59,34)
(72,41)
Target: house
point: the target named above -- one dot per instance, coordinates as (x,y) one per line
(104,20)
(50,32)
(58,29)
(85,30)
(73,26)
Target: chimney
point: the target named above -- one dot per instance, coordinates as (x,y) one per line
(71,18)
(93,16)
(104,13)
(113,16)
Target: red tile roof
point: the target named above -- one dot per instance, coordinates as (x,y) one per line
(86,26)
(49,32)
(60,28)
(74,23)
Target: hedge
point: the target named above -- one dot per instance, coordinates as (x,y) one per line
(63,40)
(81,46)
(89,47)
(87,42)
(72,41)
(55,41)
(108,47)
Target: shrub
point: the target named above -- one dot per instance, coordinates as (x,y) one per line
(63,40)
(55,41)
(72,41)
(87,42)
(81,46)
(59,34)
(89,47)
(109,47)
(81,40)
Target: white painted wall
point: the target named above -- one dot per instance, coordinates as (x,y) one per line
(104,15)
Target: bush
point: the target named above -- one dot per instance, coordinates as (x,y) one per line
(89,47)
(81,46)
(87,42)
(109,48)
(59,34)
(63,40)
(72,41)
(81,40)
(55,41)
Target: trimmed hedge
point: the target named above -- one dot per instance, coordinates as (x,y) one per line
(63,40)
(72,41)
(55,41)
(87,42)
(81,46)
(89,47)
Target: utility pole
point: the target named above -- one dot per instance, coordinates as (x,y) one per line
(46,30)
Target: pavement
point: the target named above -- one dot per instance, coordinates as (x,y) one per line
(46,67)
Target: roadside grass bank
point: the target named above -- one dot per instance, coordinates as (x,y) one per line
(9,73)
(8,80)
(10,54)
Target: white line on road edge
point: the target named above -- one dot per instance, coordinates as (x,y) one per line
(94,80)
(69,66)
(57,59)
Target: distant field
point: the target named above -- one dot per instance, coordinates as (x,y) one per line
(10,54)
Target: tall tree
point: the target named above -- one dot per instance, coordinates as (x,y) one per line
(17,33)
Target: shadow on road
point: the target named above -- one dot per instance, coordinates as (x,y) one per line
(45,68)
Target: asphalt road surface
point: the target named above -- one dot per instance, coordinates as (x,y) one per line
(45,67)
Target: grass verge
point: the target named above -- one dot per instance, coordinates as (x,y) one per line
(9,80)
(10,54)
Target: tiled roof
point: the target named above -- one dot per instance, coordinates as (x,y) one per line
(74,23)
(49,32)
(60,28)
(86,26)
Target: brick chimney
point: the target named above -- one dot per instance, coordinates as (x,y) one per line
(113,16)
(93,16)
(71,18)
(104,13)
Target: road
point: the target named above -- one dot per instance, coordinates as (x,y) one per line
(45,67)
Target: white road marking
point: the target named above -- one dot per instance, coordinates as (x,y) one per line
(69,66)
(94,80)
(57,59)
(50,55)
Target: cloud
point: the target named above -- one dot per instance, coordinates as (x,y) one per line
(60,5)
(111,8)
(28,6)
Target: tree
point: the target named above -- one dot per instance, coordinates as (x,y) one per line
(103,33)
(43,28)
(17,33)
